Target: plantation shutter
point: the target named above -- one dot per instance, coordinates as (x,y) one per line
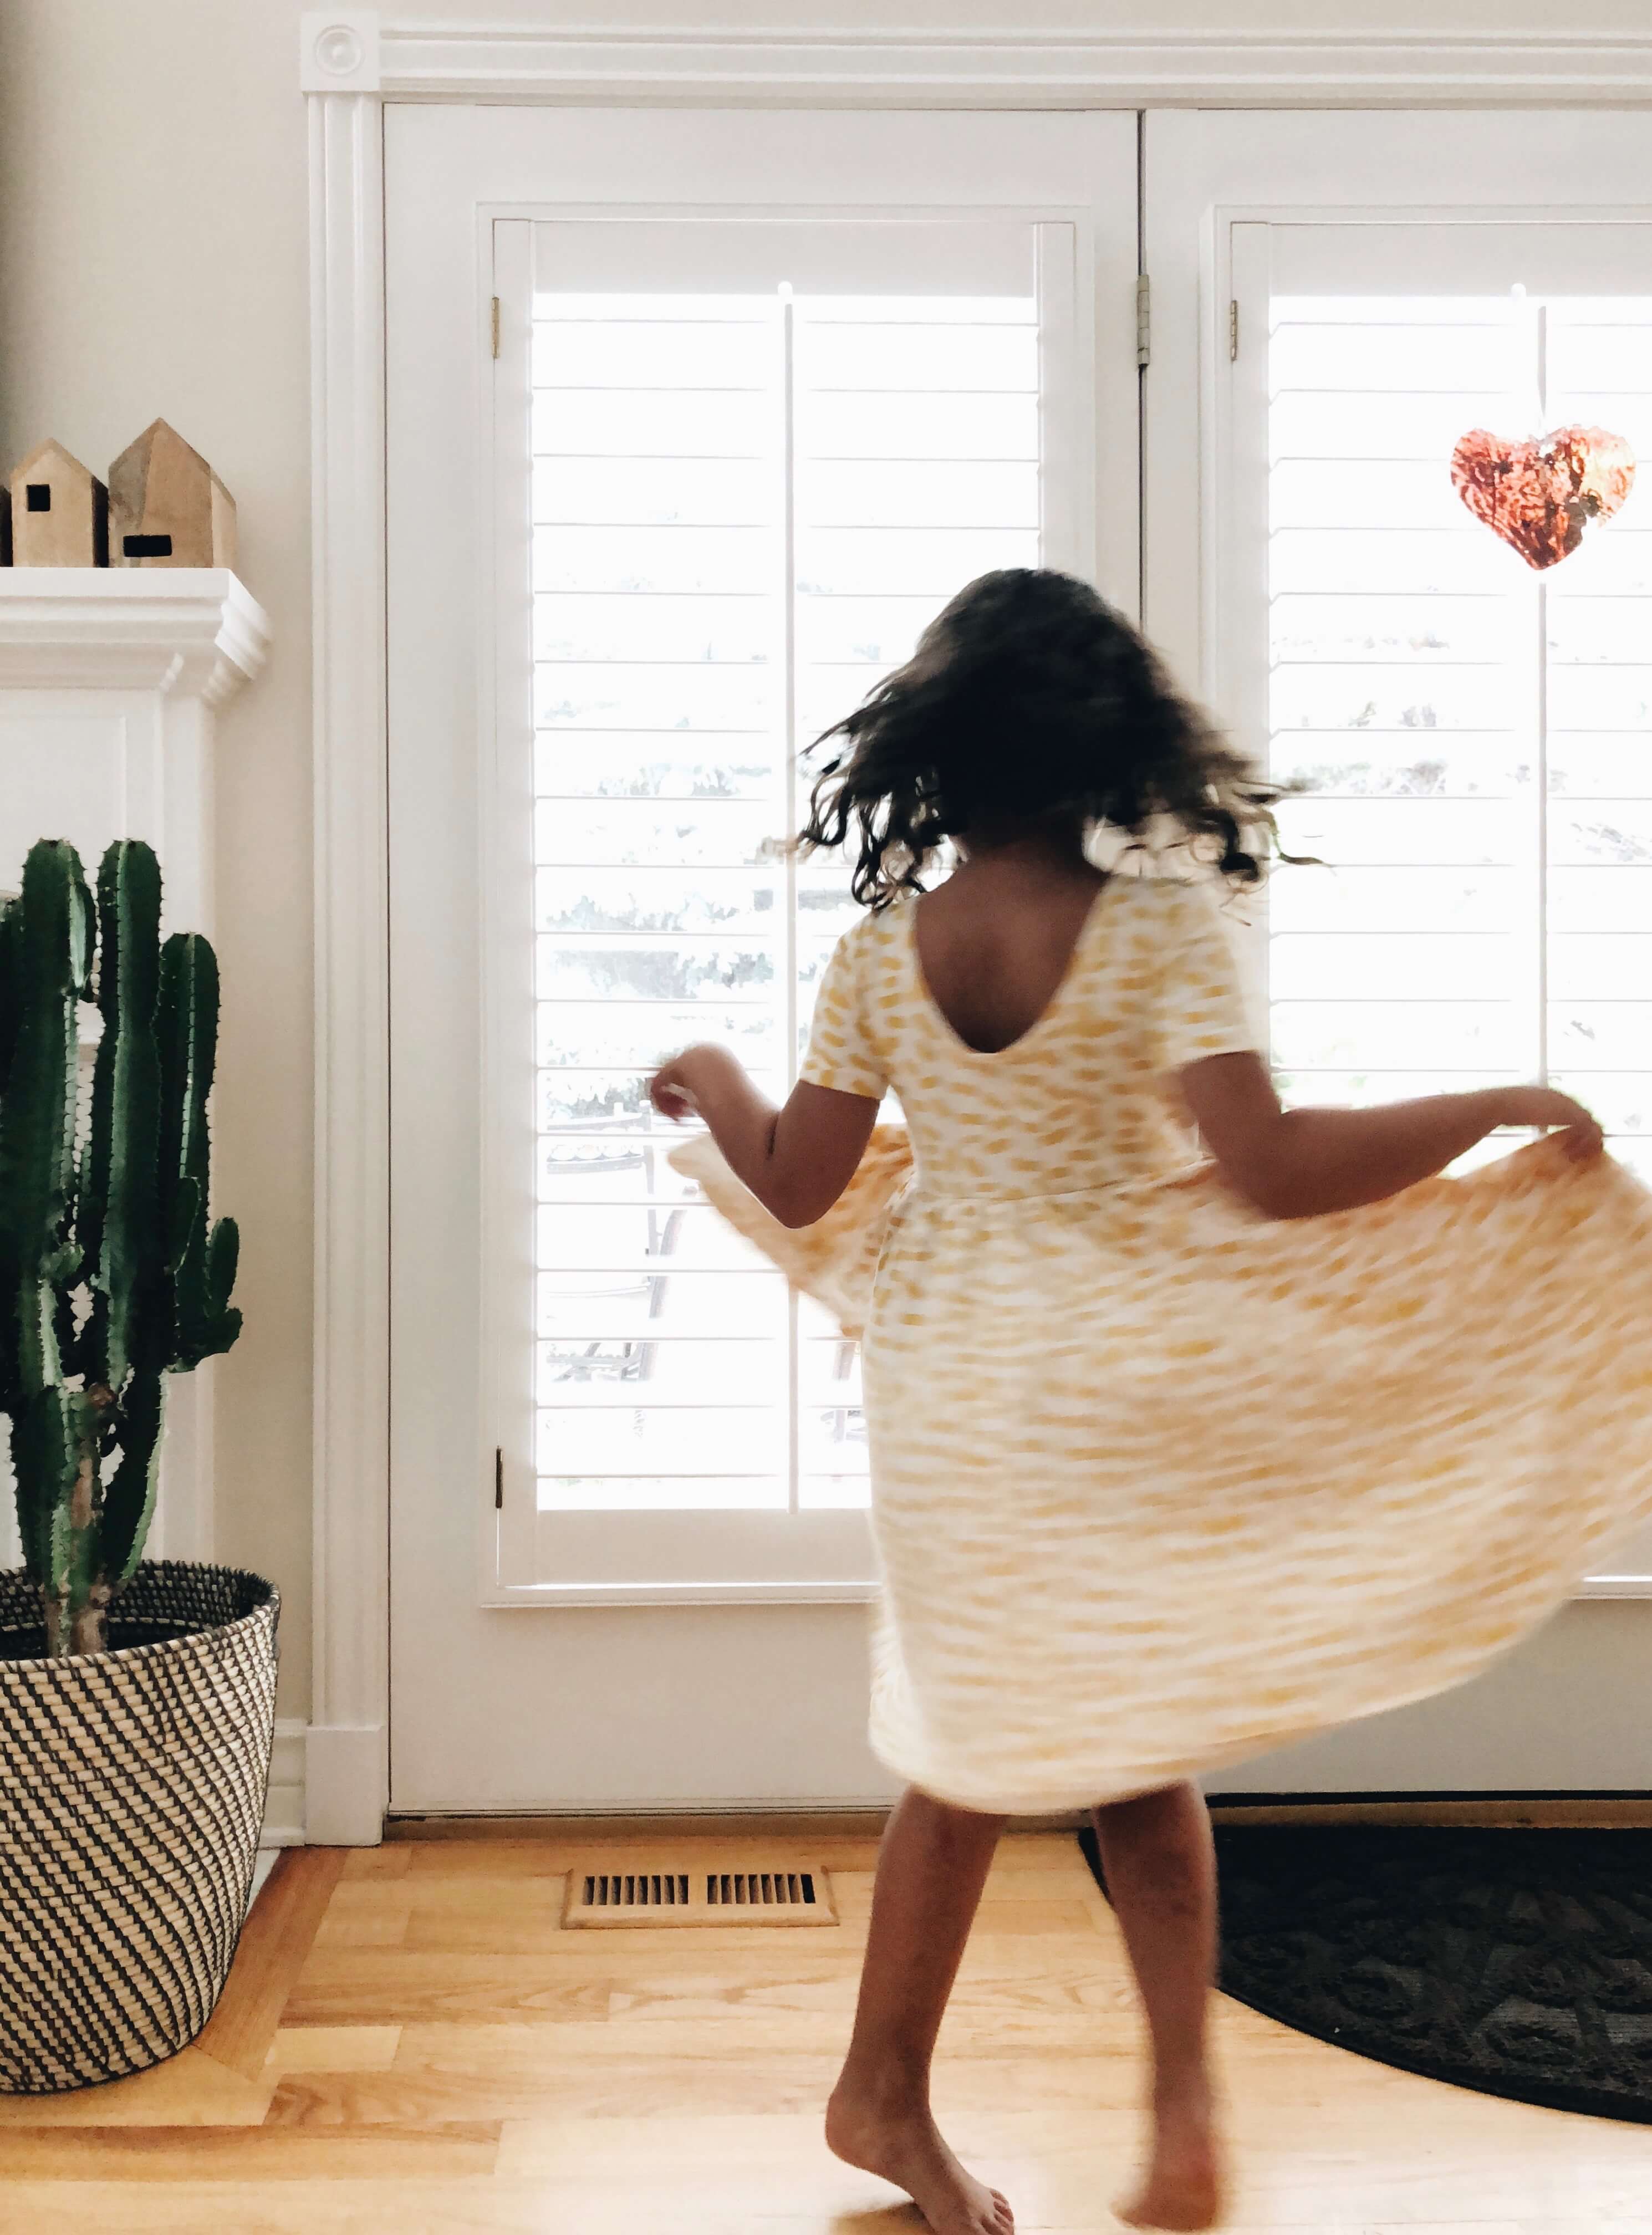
(762,457)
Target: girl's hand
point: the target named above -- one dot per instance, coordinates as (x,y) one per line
(1580,1128)
(672,1090)
(796,1161)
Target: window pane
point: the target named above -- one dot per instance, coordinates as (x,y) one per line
(630,1493)
(1473,736)
(746,509)
(1421,899)
(654,764)
(592,626)
(700,969)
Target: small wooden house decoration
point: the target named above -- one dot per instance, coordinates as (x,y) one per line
(60,512)
(166,505)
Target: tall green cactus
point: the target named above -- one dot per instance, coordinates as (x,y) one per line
(109,1274)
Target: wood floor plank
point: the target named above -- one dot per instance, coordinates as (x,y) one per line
(370,1986)
(332,2048)
(366,1913)
(483,1916)
(493,2080)
(385,1862)
(274,1945)
(190,2153)
(598,2022)
(459,1933)
(490,1859)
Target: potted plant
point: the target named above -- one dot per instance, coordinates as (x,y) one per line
(137,1699)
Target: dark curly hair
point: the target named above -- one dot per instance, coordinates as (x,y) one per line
(1028,696)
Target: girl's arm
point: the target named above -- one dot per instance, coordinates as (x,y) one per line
(797,1160)
(1297,1163)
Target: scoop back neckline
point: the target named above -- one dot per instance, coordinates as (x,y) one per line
(1058,997)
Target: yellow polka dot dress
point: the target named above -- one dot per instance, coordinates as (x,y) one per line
(1158,1482)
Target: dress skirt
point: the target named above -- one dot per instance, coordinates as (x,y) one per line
(1159,1483)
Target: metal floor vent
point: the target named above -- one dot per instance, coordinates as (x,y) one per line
(632,1890)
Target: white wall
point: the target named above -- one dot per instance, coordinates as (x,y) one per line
(154,260)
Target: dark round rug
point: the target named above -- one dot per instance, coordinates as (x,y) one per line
(1516,1963)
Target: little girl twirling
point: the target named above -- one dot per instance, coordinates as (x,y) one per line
(1172,1462)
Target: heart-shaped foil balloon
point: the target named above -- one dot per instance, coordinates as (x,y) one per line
(1538,495)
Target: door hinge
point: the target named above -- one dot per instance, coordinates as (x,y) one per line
(1233,331)
(499,1479)
(1144,320)
(495,325)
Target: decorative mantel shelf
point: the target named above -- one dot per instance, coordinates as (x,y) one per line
(110,683)
(196,632)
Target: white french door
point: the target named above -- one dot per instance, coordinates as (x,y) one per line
(694,422)
(1346,306)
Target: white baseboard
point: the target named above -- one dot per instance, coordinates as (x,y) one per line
(326,1786)
(284,1811)
(344,1793)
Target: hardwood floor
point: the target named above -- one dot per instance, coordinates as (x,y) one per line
(410,2045)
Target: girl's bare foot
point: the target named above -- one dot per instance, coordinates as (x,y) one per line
(905,2147)
(1181,2188)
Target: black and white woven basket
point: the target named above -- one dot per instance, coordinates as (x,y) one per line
(132,1790)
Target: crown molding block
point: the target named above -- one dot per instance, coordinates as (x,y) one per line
(338,51)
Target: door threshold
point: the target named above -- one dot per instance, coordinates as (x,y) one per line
(1549,1812)
(602,1827)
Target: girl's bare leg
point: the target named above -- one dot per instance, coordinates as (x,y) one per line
(1160,1862)
(932,1866)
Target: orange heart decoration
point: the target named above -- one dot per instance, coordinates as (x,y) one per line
(1538,495)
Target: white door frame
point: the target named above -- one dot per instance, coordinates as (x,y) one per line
(351,63)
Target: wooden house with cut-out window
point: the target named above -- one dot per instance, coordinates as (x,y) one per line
(60,511)
(167,507)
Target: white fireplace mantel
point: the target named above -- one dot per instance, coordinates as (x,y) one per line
(110,683)
(182,632)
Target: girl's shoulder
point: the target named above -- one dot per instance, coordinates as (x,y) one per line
(1169,895)
(865,957)
(1172,904)
(878,931)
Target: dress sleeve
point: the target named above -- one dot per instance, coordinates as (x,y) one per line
(1201,1005)
(840,1052)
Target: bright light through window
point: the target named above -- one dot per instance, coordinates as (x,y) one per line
(1478,736)
(745,508)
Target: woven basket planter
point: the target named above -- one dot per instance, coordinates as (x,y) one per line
(132,1790)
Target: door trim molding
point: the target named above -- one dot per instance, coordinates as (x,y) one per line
(347,1744)
(355,50)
